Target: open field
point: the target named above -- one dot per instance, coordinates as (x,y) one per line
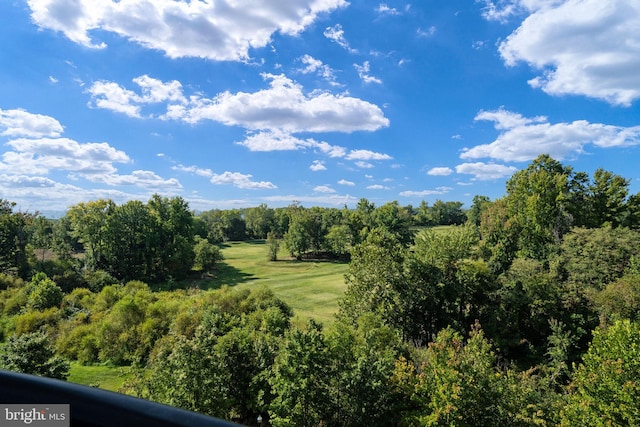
(105,377)
(311,287)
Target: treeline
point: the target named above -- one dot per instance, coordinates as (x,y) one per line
(528,314)
(98,242)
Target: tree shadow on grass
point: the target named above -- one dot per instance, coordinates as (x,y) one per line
(224,274)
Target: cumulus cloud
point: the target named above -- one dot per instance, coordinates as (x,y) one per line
(363,72)
(283,106)
(324,189)
(440,171)
(367,155)
(138,178)
(223,31)
(207,173)
(283,141)
(485,171)
(423,193)
(364,165)
(318,165)
(587,47)
(345,182)
(37,191)
(241,181)
(15,123)
(377,187)
(523,139)
(40,156)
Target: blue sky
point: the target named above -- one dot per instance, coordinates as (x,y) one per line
(234,103)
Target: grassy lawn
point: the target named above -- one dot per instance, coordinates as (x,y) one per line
(105,377)
(312,288)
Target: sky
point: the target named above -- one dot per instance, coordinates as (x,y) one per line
(235,103)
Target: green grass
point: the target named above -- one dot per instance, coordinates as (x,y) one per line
(105,377)
(311,287)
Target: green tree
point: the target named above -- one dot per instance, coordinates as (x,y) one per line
(206,255)
(339,240)
(172,237)
(592,258)
(128,242)
(300,380)
(88,223)
(608,194)
(32,354)
(44,293)
(606,385)
(41,235)
(297,239)
(478,206)
(13,240)
(259,221)
(273,246)
(375,279)
(537,199)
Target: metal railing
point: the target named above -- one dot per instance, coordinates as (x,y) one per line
(92,407)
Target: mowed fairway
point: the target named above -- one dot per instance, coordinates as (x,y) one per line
(312,288)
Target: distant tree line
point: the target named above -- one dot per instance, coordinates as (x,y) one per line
(163,239)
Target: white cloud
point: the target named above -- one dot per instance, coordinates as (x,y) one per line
(430,32)
(523,139)
(37,192)
(485,171)
(440,171)
(22,123)
(377,187)
(363,73)
(282,141)
(367,155)
(53,80)
(383,9)
(318,165)
(500,10)
(336,34)
(345,182)
(241,181)
(111,96)
(139,178)
(282,107)
(316,66)
(587,47)
(423,193)
(39,156)
(207,173)
(214,30)
(324,189)
(364,165)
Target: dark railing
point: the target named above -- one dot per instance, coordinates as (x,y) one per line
(92,407)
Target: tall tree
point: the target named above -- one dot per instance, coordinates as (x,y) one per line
(537,201)
(88,223)
(13,239)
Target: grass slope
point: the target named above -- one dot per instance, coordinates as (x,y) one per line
(105,377)
(312,288)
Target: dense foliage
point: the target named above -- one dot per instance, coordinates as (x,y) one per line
(525,313)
